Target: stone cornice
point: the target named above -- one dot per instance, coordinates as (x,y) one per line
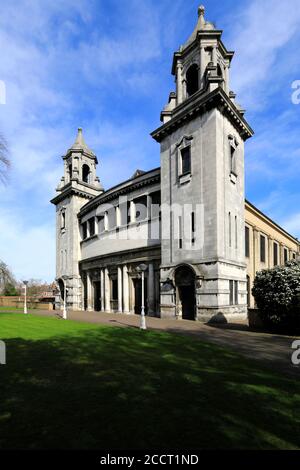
(251,208)
(115,257)
(70,191)
(200,103)
(151,177)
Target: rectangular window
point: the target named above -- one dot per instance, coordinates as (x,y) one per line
(294,255)
(275,254)
(193,228)
(286,255)
(229,228)
(180,232)
(92,226)
(84,230)
(262,249)
(101,226)
(236,292)
(186,160)
(232,160)
(63,220)
(247,242)
(233,292)
(111,218)
(141,209)
(155,204)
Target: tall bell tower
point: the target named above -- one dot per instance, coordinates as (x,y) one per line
(78,185)
(203,271)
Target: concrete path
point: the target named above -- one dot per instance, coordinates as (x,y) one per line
(274,351)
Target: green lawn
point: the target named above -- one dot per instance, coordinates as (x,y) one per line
(10,309)
(74,385)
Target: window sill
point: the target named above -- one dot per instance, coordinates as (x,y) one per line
(89,238)
(183,179)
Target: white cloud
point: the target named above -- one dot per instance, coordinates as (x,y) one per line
(28,250)
(259,32)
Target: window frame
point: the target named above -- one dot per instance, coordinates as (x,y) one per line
(262,252)
(247,242)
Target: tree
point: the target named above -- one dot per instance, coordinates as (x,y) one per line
(277,295)
(6,276)
(4,160)
(10,290)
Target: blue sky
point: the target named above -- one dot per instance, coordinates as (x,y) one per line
(105,65)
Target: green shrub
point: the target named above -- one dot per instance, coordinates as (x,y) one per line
(277,295)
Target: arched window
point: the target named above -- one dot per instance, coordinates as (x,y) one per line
(219,71)
(192,80)
(85,173)
(70,171)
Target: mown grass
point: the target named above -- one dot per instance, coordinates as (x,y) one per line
(10,309)
(73,385)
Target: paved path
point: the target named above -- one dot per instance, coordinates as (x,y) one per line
(273,350)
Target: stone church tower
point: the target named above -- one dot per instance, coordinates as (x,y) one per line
(78,185)
(202,183)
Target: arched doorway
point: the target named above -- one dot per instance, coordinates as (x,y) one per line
(185,292)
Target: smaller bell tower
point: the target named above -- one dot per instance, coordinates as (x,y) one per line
(79,185)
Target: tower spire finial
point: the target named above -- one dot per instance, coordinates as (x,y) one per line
(201,10)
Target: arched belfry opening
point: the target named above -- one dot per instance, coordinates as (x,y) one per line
(185,292)
(192,80)
(86,173)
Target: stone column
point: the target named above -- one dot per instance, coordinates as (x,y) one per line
(256,261)
(179,83)
(125,290)
(102,290)
(132,212)
(107,290)
(89,293)
(227,88)
(214,55)
(120,290)
(270,253)
(202,66)
(151,289)
(281,254)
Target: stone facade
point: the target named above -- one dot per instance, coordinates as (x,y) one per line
(185,220)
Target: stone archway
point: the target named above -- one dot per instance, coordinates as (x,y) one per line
(185,292)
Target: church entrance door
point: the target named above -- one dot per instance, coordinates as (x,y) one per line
(97,294)
(186,294)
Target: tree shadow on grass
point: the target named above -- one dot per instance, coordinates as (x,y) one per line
(124,389)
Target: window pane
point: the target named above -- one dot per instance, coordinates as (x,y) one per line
(186,160)
(262,249)
(230,292)
(247,242)
(92,226)
(275,248)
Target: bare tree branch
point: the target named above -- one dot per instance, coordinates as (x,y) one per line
(6,276)
(4,160)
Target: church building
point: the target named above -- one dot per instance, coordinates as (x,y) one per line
(186,223)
